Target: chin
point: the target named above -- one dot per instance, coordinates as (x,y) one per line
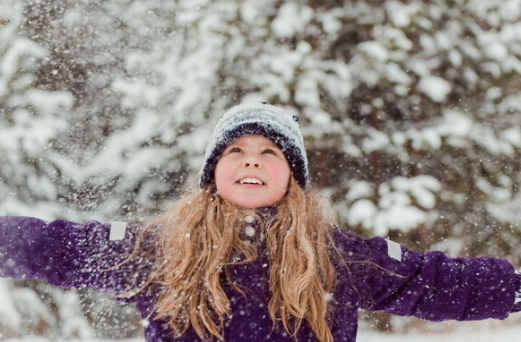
(252,204)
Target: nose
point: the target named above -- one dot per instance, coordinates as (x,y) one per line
(251,162)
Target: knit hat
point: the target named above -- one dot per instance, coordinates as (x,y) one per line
(262,119)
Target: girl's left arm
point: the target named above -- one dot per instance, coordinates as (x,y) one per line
(430,285)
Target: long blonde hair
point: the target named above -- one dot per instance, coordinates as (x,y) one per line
(195,242)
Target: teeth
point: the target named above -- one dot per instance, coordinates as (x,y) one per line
(251,181)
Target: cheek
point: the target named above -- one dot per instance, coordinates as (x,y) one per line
(223,172)
(282,174)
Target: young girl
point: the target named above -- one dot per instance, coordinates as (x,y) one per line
(250,254)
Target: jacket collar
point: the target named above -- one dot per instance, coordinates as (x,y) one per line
(267,213)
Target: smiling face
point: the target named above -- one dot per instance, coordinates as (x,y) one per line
(252,172)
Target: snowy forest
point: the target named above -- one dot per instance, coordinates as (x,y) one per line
(410,109)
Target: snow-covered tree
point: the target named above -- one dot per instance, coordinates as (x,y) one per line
(43,86)
(32,117)
(410,109)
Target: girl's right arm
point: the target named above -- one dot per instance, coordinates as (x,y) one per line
(69,254)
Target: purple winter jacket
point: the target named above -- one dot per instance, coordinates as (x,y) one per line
(429,285)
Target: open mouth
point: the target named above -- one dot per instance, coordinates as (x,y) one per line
(250,181)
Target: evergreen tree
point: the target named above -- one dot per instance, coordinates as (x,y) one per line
(410,109)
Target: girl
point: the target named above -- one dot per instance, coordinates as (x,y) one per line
(251,253)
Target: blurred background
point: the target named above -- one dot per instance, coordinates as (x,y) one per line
(411,112)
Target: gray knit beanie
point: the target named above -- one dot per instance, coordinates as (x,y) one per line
(262,119)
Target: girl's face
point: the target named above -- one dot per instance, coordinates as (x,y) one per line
(252,172)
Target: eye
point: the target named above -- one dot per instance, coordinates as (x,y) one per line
(269,151)
(235,150)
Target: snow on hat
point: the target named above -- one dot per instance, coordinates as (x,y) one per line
(263,119)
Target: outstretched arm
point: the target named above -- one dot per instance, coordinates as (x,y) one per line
(68,254)
(431,285)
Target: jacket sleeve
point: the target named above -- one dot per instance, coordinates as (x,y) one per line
(69,254)
(430,285)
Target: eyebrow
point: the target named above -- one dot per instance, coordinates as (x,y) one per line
(270,144)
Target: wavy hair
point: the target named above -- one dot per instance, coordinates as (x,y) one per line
(195,242)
